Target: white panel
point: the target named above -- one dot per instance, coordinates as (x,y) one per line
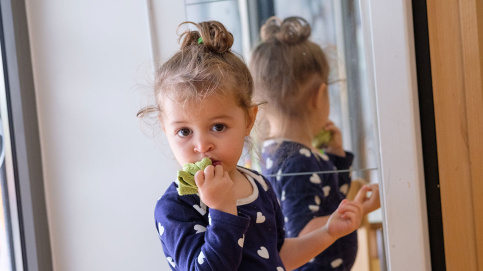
(403,193)
(92,64)
(165,19)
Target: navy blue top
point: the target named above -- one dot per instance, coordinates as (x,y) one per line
(309,195)
(195,237)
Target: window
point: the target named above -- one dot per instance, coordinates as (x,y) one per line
(25,242)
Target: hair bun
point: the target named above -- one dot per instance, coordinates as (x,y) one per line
(292,30)
(213,34)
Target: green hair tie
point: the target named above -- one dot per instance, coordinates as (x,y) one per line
(200,40)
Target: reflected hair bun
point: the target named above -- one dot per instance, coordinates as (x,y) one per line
(213,34)
(292,30)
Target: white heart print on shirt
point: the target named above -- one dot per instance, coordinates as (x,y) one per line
(263,252)
(241,241)
(269,163)
(199,228)
(260,217)
(171,261)
(305,152)
(280,269)
(324,156)
(201,258)
(279,175)
(315,178)
(326,190)
(201,209)
(314,208)
(160,229)
(317,200)
(336,263)
(344,189)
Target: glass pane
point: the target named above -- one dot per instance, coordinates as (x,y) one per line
(5,248)
(226,12)
(336,27)
(7,198)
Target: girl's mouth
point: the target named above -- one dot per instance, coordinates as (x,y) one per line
(215,162)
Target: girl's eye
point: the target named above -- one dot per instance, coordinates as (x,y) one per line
(218,127)
(184,132)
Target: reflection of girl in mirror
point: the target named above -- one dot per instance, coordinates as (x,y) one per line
(290,73)
(234,222)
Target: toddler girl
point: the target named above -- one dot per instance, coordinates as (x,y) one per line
(290,73)
(234,222)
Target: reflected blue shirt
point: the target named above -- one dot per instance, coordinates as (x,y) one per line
(309,195)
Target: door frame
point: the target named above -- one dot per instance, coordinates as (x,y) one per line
(388,28)
(456,47)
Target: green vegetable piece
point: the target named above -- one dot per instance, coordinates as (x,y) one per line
(322,139)
(186,177)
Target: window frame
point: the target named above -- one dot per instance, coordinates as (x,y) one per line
(32,244)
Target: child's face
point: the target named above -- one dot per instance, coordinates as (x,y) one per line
(215,128)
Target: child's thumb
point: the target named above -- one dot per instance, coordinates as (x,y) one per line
(361,194)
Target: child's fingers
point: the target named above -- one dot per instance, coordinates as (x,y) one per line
(330,126)
(372,203)
(350,206)
(328,123)
(344,206)
(374,188)
(200,178)
(361,194)
(341,204)
(209,173)
(349,215)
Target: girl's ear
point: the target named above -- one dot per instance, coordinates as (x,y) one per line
(319,96)
(161,122)
(252,116)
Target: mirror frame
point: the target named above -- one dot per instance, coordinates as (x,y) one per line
(394,78)
(392,61)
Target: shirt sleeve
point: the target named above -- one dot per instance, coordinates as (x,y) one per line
(195,237)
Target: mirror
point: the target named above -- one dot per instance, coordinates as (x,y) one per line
(337,28)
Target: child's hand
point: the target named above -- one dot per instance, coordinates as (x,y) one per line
(347,218)
(335,143)
(216,189)
(372,202)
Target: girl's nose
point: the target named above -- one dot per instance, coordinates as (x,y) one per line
(203,145)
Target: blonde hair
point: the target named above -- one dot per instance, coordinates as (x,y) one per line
(287,67)
(204,65)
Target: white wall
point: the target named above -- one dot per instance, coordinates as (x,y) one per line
(103,175)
